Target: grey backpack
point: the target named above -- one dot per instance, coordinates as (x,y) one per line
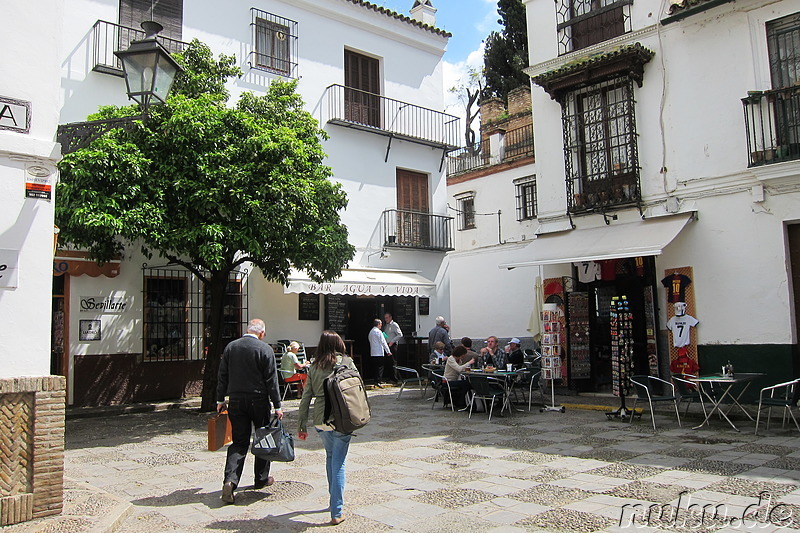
(346,404)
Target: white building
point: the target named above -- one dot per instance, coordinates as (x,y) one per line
(667,143)
(31,400)
(373,78)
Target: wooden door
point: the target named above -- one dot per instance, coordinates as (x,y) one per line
(413,220)
(362,89)
(794,259)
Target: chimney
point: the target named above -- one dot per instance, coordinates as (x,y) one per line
(424,12)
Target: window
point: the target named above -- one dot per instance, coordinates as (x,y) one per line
(362,89)
(783,44)
(275,43)
(582,23)
(168,13)
(526,198)
(466,210)
(600,149)
(176,316)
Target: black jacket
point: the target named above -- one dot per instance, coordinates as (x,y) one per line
(248,368)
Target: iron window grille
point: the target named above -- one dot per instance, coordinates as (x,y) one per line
(176,316)
(526,198)
(466,212)
(600,146)
(582,23)
(274,43)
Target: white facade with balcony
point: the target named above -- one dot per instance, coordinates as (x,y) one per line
(672,136)
(373,78)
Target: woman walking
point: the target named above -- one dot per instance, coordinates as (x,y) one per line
(330,352)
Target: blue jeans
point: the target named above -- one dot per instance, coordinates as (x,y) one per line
(336,446)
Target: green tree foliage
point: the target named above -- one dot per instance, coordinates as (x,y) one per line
(506,51)
(210,187)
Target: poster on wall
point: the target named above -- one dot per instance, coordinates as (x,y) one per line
(89,330)
(9,262)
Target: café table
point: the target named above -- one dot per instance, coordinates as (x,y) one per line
(505,376)
(726,384)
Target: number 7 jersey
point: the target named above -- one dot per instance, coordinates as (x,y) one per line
(680,327)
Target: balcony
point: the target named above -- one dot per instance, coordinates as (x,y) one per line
(772,125)
(108,38)
(353,108)
(511,145)
(415,230)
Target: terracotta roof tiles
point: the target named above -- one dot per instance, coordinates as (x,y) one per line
(398,16)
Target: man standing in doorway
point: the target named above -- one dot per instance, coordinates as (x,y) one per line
(248,376)
(378,348)
(393,337)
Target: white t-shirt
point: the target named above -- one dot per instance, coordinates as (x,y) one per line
(680,327)
(588,271)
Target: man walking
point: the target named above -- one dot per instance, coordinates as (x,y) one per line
(378,348)
(248,376)
(393,337)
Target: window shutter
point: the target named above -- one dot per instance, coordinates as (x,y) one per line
(168,13)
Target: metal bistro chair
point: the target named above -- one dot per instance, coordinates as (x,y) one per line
(487,389)
(442,388)
(645,390)
(429,379)
(688,391)
(781,395)
(412,379)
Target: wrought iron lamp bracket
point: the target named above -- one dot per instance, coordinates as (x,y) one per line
(77,135)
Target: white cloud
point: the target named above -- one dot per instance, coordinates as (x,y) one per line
(456,74)
(489,21)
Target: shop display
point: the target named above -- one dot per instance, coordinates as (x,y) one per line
(580,365)
(681,319)
(621,320)
(650,330)
(551,352)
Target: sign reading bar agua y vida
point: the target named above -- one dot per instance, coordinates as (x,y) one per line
(104,304)
(15,115)
(9,264)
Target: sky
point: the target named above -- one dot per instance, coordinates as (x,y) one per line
(470,22)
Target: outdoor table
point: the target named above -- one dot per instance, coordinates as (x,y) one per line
(726,383)
(503,375)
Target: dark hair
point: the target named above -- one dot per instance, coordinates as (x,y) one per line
(459,351)
(329,346)
(466,341)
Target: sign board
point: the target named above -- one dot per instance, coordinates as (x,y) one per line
(336,313)
(104,304)
(9,264)
(308,306)
(38,182)
(424,306)
(89,330)
(15,115)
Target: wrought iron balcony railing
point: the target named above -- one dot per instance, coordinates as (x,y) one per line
(108,38)
(515,143)
(412,229)
(358,109)
(772,124)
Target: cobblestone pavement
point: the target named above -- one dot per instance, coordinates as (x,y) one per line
(421,470)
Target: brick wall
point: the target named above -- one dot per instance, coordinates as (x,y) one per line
(31,447)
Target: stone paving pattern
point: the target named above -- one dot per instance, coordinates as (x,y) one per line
(421,470)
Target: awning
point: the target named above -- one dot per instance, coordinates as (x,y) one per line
(372,282)
(616,241)
(74,263)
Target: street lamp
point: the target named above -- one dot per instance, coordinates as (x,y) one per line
(148,67)
(149,72)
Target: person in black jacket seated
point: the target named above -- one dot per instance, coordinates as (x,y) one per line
(249,377)
(515,356)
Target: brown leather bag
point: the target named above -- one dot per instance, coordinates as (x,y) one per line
(219,431)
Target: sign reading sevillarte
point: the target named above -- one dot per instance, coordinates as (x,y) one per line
(15,115)
(104,304)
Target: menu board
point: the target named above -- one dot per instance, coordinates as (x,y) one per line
(405,314)
(424,306)
(308,308)
(336,313)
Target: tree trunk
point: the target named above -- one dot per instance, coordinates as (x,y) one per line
(217,288)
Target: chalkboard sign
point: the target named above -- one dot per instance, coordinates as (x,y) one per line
(309,306)
(405,314)
(336,313)
(424,306)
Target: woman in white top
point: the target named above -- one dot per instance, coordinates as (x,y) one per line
(452,373)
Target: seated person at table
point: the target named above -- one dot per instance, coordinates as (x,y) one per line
(452,373)
(492,354)
(438,357)
(466,342)
(514,355)
(290,364)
